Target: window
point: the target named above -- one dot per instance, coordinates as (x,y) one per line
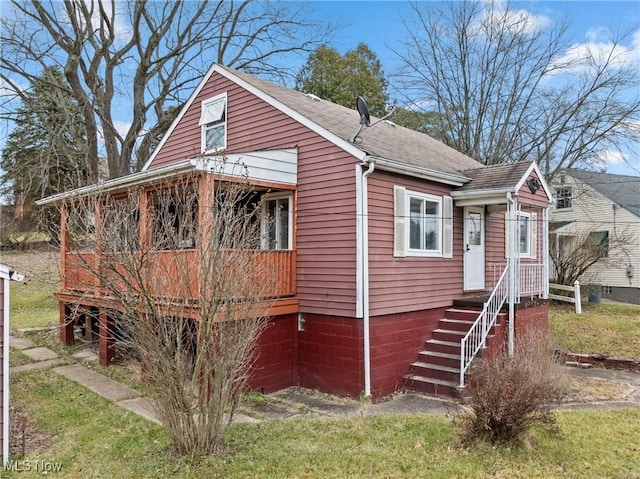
(213,121)
(599,242)
(276,225)
(175,219)
(524,235)
(563,196)
(423,224)
(121,218)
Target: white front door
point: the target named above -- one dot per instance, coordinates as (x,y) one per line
(473,248)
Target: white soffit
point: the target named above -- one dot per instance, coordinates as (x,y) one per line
(276,166)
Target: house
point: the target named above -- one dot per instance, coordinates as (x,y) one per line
(602,211)
(389,238)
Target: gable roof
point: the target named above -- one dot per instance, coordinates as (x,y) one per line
(384,141)
(622,189)
(496,181)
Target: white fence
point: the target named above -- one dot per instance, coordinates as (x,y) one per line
(575,289)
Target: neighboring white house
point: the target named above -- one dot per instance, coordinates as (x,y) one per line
(604,209)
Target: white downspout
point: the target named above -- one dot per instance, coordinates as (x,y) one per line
(364,251)
(513,248)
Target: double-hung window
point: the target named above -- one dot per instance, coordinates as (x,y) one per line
(423,224)
(213,121)
(277,222)
(526,234)
(564,198)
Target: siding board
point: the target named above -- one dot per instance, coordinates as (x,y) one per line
(325,215)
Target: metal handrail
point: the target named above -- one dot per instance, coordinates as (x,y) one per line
(476,338)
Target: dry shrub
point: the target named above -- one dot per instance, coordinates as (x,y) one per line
(510,395)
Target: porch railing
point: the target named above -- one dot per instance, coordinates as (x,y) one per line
(530,277)
(476,338)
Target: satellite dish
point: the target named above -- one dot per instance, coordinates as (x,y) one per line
(363,109)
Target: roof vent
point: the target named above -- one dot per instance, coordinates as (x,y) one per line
(390,123)
(313,97)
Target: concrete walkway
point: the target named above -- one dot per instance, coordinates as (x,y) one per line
(302,403)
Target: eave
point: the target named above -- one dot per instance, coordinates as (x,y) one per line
(392,166)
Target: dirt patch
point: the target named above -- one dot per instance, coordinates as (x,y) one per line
(584,390)
(25,437)
(34,265)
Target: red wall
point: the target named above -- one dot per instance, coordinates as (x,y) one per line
(395,342)
(274,368)
(330,355)
(531,318)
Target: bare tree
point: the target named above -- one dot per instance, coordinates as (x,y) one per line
(145,55)
(182,271)
(508,88)
(579,257)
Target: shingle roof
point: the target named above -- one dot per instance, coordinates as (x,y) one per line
(383,140)
(496,177)
(623,189)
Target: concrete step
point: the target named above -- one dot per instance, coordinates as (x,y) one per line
(437,387)
(455,324)
(443,359)
(435,371)
(448,335)
(439,346)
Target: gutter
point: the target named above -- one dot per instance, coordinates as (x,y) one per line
(122,182)
(362,264)
(418,171)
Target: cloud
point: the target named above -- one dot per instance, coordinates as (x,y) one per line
(500,15)
(611,157)
(599,49)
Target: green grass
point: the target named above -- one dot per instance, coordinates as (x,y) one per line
(18,358)
(611,329)
(32,304)
(92,437)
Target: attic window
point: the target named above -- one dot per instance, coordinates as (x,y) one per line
(563,198)
(213,121)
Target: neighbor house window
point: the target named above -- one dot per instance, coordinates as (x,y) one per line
(599,241)
(277,222)
(213,121)
(564,198)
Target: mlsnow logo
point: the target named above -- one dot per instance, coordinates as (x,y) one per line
(29,465)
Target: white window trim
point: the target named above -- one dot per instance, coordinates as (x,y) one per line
(263,224)
(433,199)
(205,126)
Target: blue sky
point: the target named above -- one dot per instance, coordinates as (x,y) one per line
(379,24)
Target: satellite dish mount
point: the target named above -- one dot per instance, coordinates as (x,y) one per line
(365,117)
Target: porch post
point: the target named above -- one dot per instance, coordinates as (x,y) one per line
(67,322)
(512,227)
(106,341)
(545,253)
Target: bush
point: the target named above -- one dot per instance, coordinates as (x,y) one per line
(509,395)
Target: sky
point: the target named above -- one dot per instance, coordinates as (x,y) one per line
(379,24)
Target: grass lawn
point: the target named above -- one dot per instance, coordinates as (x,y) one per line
(611,329)
(93,437)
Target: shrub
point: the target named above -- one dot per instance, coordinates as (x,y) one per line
(509,395)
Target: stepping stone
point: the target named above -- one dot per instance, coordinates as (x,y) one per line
(33,366)
(142,407)
(40,354)
(85,355)
(99,384)
(19,343)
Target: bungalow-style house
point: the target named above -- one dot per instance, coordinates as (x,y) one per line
(600,210)
(389,238)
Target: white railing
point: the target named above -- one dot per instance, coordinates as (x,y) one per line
(476,338)
(530,277)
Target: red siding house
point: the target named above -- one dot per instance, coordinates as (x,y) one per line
(393,237)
